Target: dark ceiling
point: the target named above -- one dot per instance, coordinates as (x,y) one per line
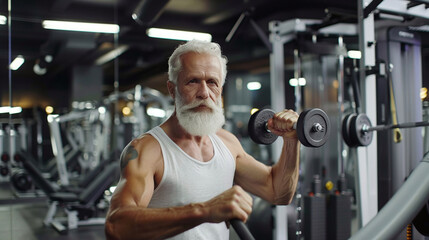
(144,61)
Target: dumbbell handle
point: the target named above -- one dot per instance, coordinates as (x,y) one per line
(366,128)
(316,127)
(241,230)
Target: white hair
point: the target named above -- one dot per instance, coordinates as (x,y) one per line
(175,64)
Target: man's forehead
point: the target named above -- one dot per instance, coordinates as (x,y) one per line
(200,74)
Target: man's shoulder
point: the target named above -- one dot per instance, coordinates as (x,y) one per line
(222,133)
(145,149)
(228,138)
(145,141)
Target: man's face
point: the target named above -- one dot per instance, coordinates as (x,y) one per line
(198,94)
(200,78)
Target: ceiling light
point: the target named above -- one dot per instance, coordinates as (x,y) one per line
(3,20)
(156,112)
(49,109)
(178,35)
(111,55)
(17,62)
(297,82)
(39,70)
(126,111)
(354,54)
(253,86)
(81,26)
(148,11)
(102,110)
(10,110)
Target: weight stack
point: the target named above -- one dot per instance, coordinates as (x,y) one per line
(339,217)
(315,213)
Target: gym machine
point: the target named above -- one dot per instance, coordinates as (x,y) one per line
(85,134)
(12,140)
(79,204)
(323,63)
(141,101)
(393,64)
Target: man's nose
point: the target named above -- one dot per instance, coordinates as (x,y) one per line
(203,90)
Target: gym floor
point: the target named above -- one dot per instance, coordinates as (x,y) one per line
(22,219)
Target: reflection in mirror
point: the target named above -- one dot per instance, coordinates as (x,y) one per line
(74,92)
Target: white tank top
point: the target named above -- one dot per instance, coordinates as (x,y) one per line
(187,180)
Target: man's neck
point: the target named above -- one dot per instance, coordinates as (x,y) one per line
(177,133)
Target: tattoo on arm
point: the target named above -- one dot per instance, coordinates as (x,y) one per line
(129,154)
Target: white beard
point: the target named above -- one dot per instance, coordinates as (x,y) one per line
(199,123)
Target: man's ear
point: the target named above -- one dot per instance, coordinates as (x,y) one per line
(171,88)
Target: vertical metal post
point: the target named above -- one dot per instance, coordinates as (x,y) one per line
(12,142)
(277,93)
(58,150)
(367,157)
(340,99)
(2,135)
(297,76)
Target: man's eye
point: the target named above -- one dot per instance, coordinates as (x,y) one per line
(212,82)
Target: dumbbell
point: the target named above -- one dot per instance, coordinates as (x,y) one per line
(313,127)
(358,131)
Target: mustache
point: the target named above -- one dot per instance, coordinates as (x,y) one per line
(208,103)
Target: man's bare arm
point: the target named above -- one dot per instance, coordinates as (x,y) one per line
(129,217)
(277,183)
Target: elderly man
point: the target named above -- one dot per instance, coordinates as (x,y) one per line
(185,178)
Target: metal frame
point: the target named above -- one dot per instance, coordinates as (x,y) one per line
(56,141)
(401,7)
(367,161)
(71,221)
(366,157)
(280,34)
(401,209)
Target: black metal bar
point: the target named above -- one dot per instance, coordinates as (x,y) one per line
(412,4)
(418,2)
(400,125)
(235,27)
(371,7)
(261,35)
(241,230)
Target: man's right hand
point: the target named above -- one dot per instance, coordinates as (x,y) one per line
(234,203)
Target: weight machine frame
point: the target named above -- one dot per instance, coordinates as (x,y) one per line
(280,34)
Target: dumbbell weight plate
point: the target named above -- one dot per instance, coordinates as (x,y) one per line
(21,181)
(307,134)
(420,221)
(357,136)
(345,128)
(257,127)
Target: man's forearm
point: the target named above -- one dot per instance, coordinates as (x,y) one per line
(150,223)
(285,172)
